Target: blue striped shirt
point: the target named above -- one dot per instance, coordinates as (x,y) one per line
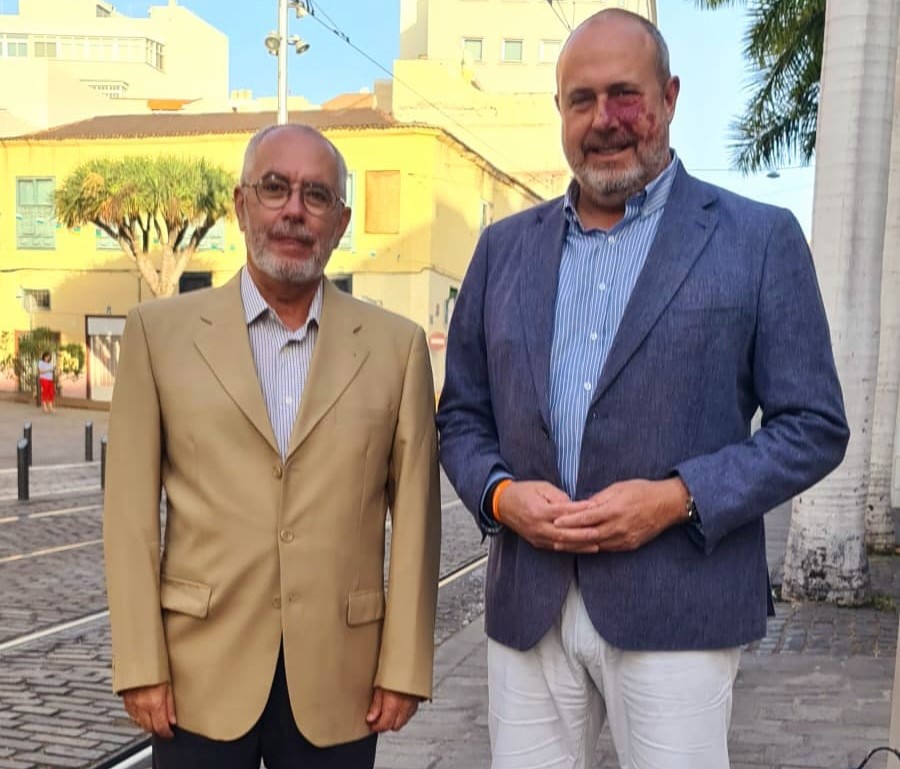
(596,277)
(282,357)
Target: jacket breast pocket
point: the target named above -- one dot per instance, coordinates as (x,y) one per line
(699,328)
(184,596)
(707,319)
(365,606)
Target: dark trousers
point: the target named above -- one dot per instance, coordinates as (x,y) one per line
(274,739)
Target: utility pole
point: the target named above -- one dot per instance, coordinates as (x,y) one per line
(282,61)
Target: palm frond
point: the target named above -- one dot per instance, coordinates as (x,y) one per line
(783,46)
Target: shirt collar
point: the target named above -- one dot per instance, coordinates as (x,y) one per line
(255,305)
(650,199)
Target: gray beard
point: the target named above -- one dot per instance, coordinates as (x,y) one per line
(293,271)
(600,183)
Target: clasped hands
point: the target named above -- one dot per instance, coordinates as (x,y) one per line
(623,516)
(152,708)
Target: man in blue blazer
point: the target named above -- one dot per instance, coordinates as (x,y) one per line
(607,353)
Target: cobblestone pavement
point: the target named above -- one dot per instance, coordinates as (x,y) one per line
(56,707)
(814,694)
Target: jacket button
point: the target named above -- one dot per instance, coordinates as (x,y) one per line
(277,471)
(287,535)
(276,602)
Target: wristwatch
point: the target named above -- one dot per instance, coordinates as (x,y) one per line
(693,515)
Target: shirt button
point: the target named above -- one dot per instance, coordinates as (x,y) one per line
(611,239)
(587,385)
(594,336)
(277,471)
(289,400)
(602,287)
(276,602)
(287,535)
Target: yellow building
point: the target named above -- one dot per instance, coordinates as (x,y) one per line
(420,198)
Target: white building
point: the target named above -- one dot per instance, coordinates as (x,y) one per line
(485,71)
(68,60)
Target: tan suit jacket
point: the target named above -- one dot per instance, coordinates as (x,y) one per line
(256,549)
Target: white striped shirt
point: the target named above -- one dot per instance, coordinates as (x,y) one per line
(282,357)
(596,276)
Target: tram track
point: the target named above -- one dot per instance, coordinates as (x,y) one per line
(139,753)
(450,576)
(463,556)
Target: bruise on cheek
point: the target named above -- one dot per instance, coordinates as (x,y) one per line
(630,114)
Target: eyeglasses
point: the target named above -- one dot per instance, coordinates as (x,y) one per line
(273,192)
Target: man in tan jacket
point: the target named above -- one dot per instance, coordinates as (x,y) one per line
(283,419)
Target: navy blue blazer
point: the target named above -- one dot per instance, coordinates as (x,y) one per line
(726,317)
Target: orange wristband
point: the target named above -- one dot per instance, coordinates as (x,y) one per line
(495,501)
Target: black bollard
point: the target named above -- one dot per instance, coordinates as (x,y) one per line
(22,465)
(103,462)
(27,435)
(88,441)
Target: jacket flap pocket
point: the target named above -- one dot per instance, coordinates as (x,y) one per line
(365,606)
(184,596)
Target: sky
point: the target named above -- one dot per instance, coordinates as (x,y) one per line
(705,46)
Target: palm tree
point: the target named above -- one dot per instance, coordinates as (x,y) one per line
(158,209)
(826,554)
(784,49)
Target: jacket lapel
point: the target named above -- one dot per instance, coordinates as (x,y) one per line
(538,284)
(225,345)
(685,228)
(339,354)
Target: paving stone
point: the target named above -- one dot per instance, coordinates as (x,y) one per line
(815,692)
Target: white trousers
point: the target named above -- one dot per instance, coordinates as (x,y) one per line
(666,710)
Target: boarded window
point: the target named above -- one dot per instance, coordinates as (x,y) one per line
(383,202)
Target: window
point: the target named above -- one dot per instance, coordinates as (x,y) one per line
(194,281)
(35,225)
(214,240)
(550,50)
(45,49)
(111,89)
(473,48)
(343,283)
(154,54)
(487,214)
(104,242)
(346,243)
(36,299)
(513,50)
(14,46)
(450,304)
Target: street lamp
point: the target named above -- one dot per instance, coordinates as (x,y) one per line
(276,44)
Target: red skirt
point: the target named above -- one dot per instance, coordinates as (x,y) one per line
(48,391)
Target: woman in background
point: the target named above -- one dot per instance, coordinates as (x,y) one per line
(48,386)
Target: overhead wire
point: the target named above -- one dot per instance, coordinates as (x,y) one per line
(338,32)
(559,15)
